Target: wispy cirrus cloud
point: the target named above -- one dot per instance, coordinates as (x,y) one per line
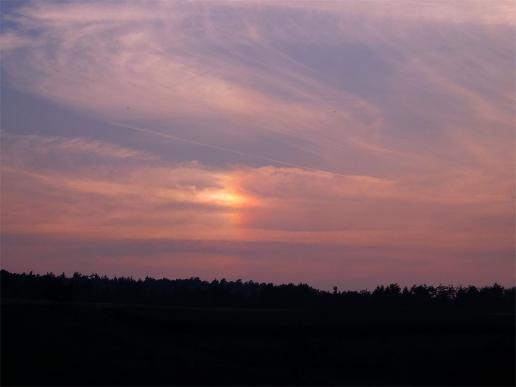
(382,127)
(44,147)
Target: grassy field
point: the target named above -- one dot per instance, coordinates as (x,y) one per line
(47,343)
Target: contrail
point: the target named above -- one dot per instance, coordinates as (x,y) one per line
(223,149)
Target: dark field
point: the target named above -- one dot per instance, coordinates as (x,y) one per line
(59,343)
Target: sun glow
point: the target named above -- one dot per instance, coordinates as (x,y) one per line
(226,198)
(228,194)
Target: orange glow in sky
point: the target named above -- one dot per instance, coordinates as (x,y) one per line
(225,198)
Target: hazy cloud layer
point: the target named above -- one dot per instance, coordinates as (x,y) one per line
(381,127)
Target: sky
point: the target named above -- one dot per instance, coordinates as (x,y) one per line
(334,143)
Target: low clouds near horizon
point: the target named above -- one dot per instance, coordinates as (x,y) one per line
(334,143)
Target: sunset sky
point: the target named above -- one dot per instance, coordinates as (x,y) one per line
(346,143)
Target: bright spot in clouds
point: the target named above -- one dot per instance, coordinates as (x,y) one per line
(225,198)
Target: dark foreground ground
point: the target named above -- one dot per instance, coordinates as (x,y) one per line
(57,343)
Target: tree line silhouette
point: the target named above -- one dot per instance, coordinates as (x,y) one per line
(194,292)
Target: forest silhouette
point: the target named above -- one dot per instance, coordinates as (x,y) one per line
(239,294)
(93,330)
